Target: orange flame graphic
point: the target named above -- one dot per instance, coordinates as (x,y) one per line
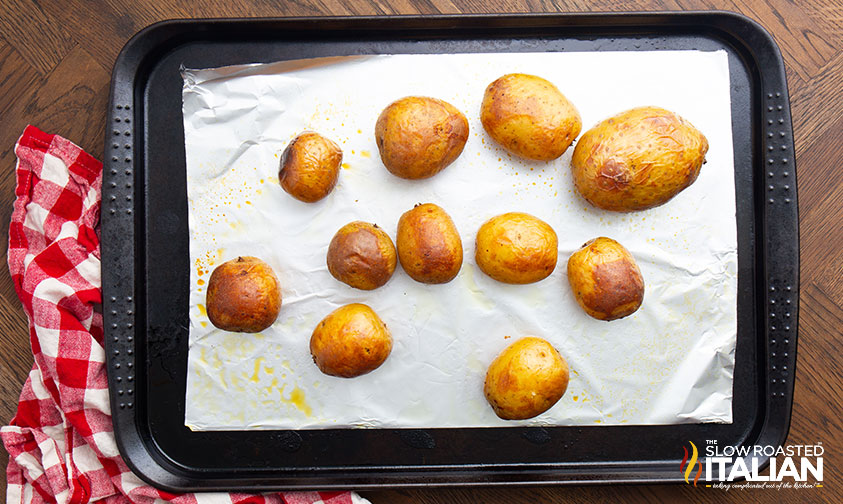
(694,460)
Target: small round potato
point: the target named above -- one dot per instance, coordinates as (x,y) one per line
(419,136)
(243,295)
(429,246)
(351,341)
(637,159)
(605,279)
(516,248)
(310,167)
(526,379)
(362,255)
(529,116)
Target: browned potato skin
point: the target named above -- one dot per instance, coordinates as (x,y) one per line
(529,116)
(351,341)
(429,246)
(362,255)
(310,167)
(526,379)
(418,136)
(605,279)
(516,248)
(638,159)
(243,295)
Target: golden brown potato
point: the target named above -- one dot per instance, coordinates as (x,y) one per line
(529,117)
(526,379)
(516,248)
(429,246)
(637,159)
(310,167)
(351,341)
(361,255)
(605,279)
(243,295)
(419,136)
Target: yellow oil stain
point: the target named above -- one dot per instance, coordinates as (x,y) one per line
(256,375)
(359,131)
(269,370)
(365,153)
(203,324)
(202,357)
(248,202)
(263,180)
(202,310)
(352,151)
(200,282)
(297,400)
(286,364)
(598,421)
(576,398)
(346,166)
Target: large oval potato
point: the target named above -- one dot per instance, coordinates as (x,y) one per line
(526,379)
(637,159)
(429,246)
(418,136)
(605,279)
(361,255)
(310,167)
(243,295)
(516,248)
(351,341)
(529,116)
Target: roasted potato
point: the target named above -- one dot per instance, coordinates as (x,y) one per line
(310,167)
(526,379)
(243,295)
(637,159)
(351,341)
(362,255)
(605,279)
(516,248)
(529,117)
(418,136)
(429,246)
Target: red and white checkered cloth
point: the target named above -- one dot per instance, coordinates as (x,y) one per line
(61,443)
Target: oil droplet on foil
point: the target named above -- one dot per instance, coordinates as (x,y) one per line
(200,282)
(365,153)
(297,400)
(202,310)
(255,376)
(345,166)
(203,324)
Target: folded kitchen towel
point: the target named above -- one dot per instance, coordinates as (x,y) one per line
(61,443)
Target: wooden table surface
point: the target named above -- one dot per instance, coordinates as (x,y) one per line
(55,65)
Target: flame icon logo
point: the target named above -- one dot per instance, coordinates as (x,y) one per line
(690,468)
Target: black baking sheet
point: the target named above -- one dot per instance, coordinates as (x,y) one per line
(146,263)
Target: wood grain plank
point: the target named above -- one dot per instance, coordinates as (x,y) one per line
(17,76)
(816,103)
(39,38)
(805,46)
